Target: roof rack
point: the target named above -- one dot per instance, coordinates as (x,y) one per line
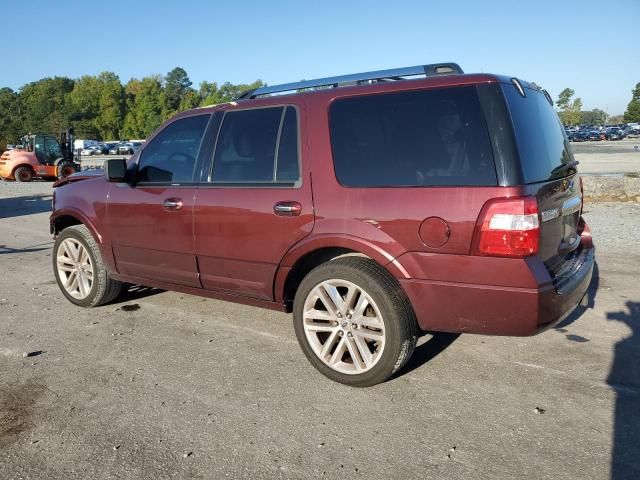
(393,74)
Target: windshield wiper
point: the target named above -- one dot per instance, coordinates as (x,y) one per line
(565,166)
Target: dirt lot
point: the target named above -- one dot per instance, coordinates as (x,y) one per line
(620,156)
(165,385)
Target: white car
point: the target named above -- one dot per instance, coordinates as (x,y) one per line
(87,151)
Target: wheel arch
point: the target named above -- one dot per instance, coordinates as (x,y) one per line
(66,218)
(307,255)
(19,165)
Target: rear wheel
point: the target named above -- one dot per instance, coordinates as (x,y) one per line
(23,174)
(65,169)
(354,322)
(80,271)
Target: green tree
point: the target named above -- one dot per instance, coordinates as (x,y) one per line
(10,117)
(564,99)
(229,92)
(569,109)
(110,119)
(208,93)
(593,117)
(85,106)
(46,105)
(146,104)
(190,100)
(633,109)
(176,86)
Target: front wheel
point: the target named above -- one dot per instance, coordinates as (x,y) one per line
(354,322)
(80,271)
(23,174)
(65,169)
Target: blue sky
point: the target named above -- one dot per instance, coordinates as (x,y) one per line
(590,46)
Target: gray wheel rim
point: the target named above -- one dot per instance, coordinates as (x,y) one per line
(344,326)
(75,269)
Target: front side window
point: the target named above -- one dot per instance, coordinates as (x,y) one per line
(170,157)
(420,138)
(257,146)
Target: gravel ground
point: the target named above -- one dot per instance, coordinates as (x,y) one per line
(620,156)
(165,385)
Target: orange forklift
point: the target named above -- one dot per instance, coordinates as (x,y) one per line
(40,156)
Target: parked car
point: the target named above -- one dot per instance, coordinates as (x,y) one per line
(114,149)
(102,149)
(614,134)
(596,135)
(580,136)
(425,214)
(570,134)
(87,151)
(125,149)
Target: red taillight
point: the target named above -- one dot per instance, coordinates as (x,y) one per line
(509,228)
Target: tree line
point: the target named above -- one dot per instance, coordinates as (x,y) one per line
(571,113)
(100,107)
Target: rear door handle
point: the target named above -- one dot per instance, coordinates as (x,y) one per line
(172,204)
(287,209)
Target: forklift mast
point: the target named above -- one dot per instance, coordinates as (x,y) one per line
(66,144)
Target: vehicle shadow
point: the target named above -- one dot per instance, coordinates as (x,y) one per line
(430,349)
(136,292)
(624,379)
(591,297)
(26,205)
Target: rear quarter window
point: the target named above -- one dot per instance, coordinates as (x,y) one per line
(435,137)
(542,143)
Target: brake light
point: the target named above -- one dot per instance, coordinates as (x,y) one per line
(509,228)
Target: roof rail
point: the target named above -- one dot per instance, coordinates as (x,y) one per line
(392,74)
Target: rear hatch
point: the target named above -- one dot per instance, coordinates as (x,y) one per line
(550,173)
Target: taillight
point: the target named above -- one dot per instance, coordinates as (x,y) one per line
(509,228)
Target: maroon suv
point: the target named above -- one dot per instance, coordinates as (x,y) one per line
(373,206)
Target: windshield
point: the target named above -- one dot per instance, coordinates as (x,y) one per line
(544,150)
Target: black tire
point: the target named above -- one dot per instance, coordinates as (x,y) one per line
(23,174)
(103,289)
(65,169)
(398,316)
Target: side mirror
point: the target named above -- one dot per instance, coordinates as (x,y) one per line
(115,170)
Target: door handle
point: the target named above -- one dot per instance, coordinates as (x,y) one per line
(172,204)
(287,209)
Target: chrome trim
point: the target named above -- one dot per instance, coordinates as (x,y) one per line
(550,214)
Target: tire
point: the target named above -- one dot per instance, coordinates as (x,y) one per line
(100,289)
(23,174)
(387,312)
(64,169)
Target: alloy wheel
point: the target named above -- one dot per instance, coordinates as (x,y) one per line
(344,326)
(75,269)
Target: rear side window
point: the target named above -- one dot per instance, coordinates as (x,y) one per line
(257,146)
(171,155)
(434,137)
(542,143)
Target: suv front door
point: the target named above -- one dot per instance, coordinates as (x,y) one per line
(254,202)
(151,221)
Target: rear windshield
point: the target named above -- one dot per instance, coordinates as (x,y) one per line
(420,138)
(542,143)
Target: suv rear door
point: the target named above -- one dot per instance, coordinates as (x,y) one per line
(549,172)
(254,201)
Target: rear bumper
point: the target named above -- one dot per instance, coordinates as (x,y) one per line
(457,306)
